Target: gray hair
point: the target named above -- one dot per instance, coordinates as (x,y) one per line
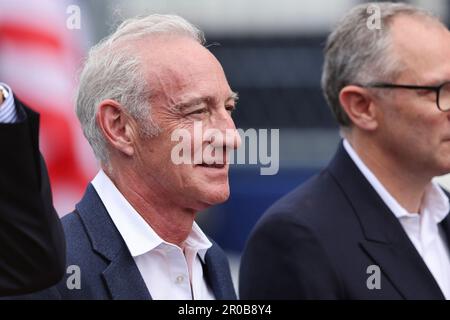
(113,70)
(357,54)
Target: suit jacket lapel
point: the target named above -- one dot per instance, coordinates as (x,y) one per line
(122,277)
(124,280)
(445,225)
(217,273)
(385,242)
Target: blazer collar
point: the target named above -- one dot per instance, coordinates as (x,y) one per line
(122,277)
(445,224)
(218,275)
(385,242)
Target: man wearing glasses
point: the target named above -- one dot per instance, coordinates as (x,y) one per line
(373,224)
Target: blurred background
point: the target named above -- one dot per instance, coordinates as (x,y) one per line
(271,52)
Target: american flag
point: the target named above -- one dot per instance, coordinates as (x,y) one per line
(39,59)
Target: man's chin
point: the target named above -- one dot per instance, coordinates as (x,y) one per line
(214,197)
(442,171)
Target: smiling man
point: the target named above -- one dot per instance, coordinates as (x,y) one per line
(133,235)
(373,224)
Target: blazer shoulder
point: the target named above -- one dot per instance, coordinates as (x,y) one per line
(287,257)
(73,226)
(316,199)
(79,246)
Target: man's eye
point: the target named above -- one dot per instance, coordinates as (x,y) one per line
(198,111)
(230,109)
(424,92)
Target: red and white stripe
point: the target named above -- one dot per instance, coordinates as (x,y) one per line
(39,59)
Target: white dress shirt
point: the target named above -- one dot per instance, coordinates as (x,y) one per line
(168,272)
(8,112)
(422,229)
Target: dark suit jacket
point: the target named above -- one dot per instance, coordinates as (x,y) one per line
(108,270)
(318,241)
(32,251)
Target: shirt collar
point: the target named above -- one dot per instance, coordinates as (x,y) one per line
(434,198)
(8,112)
(138,235)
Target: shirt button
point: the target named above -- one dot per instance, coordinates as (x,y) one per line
(179,279)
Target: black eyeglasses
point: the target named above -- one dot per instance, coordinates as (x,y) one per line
(442,91)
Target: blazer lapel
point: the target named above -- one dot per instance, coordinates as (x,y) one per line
(124,280)
(218,275)
(405,270)
(445,225)
(122,277)
(385,242)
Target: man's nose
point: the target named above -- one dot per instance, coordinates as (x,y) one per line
(231,138)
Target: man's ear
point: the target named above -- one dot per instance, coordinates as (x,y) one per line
(116,126)
(359,106)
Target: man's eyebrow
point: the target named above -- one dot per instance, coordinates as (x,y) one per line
(433,81)
(199,100)
(190,102)
(437,82)
(430,82)
(233,96)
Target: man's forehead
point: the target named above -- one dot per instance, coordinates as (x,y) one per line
(169,79)
(423,47)
(416,34)
(178,72)
(181,66)
(169,76)
(169,50)
(178,88)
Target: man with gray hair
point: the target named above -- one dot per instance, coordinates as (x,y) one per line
(373,224)
(133,235)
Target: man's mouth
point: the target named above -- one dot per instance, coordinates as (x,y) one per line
(213,165)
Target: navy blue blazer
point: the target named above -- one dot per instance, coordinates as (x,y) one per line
(108,270)
(319,241)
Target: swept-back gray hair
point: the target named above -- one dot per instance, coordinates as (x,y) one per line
(357,54)
(113,70)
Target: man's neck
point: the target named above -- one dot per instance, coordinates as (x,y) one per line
(171,222)
(405,185)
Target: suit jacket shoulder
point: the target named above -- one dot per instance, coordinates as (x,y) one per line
(324,237)
(285,256)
